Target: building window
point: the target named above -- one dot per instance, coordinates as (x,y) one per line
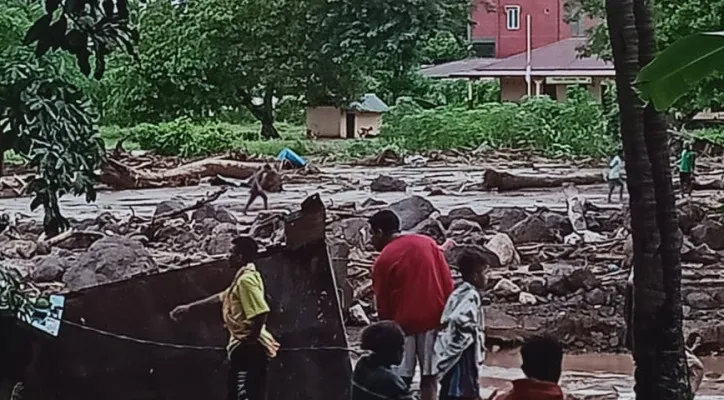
(578,26)
(484,48)
(512,14)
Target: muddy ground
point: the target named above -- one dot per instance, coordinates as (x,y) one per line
(572,290)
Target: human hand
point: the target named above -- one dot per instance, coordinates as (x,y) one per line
(178,312)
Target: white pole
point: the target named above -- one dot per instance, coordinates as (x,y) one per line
(528,77)
(529,45)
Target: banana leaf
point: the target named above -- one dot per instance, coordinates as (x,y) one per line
(681,66)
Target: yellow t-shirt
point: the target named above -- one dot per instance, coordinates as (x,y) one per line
(243,301)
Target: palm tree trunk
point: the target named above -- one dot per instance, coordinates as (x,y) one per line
(668,368)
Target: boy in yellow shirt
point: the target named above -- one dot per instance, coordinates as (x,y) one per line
(245,311)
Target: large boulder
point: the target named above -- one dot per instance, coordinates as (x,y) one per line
(502,246)
(460,229)
(110,259)
(384,183)
(532,229)
(465,213)
(557,223)
(691,213)
(412,211)
(709,232)
(452,254)
(433,228)
(49,268)
(507,217)
(701,301)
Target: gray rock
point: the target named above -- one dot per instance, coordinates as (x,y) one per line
(349,229)
(49,269)
(110,259)
(596,297)
(170,206)
(453,254)
(225,227)
(507,217)
(691,213)
(209,211)
(219,244)
(463,227)
(433,228)
(709,232)
(384,183)
(583,278)
(412,211)
(465,213)
(266,225)
(558,285)
(557,223)
(536,286)
(701,301)
(531,229)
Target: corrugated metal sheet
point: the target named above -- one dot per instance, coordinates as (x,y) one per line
(84,365)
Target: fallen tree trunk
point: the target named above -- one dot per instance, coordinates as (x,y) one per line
(504,181)
(120,176)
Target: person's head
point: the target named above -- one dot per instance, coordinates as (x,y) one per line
(385,225)
(542,358)
(386,341)
(243,251)
(472,264)
(693,341)
(687,145)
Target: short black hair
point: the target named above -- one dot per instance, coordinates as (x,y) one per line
(386,221)
(245,245)
(472,259)
(542,358)
(384,338)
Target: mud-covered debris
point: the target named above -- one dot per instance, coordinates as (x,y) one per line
(558,224)
(433,228)
(709,232)
(452,254)
(502,246)
(110,259)
(461,228)
(507,218)
(372,203)
(536,286)
(18,249)
(384,183)
(267,225)
(412,211)
(583,278)
(691,214)
(352,230)
(435,191)
(219,244)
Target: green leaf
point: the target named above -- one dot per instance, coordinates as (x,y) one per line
(680,67)
(39,28)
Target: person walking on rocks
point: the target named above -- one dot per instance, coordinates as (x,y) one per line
(614,176)
(374,378)
(687,166)
(412,282)
(459,347)
(257,189)
(542,365)
(244,312)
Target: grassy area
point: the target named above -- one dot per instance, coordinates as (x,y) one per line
(191,139)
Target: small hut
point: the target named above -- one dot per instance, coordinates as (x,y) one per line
(359,119)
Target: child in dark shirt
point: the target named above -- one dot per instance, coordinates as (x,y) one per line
(373,377)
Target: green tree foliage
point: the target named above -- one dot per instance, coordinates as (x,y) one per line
(200,57)
(674,19)
(45,119)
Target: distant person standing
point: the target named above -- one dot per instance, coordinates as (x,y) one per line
(687,166)
(412,282)
(257,187)
(614,176)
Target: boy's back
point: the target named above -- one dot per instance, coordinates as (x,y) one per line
(373,381)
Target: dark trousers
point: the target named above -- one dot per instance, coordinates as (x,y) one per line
(687,182)
(248,364)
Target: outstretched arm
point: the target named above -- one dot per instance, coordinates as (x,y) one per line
(177,312)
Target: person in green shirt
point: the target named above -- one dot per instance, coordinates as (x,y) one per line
(614,176)
(687,165)
(244,312)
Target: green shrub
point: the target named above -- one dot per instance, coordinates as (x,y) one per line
(573,127)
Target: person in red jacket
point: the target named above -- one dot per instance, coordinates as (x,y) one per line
(542,365)
(412,282)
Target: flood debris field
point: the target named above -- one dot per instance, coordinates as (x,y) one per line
(559,253)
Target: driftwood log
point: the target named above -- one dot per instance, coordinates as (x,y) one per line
(504,181)
(120,176)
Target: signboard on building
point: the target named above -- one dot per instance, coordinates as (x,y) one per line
(569,80)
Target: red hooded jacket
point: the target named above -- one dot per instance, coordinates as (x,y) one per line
(531,389)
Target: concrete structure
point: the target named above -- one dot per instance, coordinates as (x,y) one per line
(499,28)
(359,119)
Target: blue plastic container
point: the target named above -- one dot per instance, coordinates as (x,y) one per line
(289,155)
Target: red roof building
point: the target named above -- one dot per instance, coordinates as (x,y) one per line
(500,41)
